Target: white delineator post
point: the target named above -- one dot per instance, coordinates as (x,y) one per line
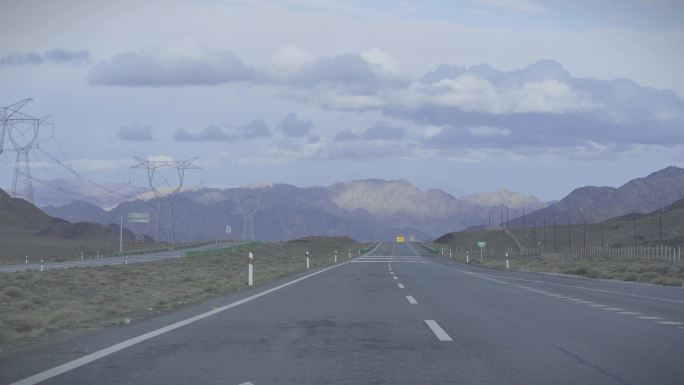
(507,265)
(481,254)
(467,256)
(307,260)
(250,272)
(41,265)
(335,256)
(26,263)
(449,253)
(81,255)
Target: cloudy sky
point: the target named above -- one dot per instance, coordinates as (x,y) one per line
(536,96)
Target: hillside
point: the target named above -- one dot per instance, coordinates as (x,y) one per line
(640,230)
(25,230)
(594,204)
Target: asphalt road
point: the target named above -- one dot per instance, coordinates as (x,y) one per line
(93,262)
(391,318)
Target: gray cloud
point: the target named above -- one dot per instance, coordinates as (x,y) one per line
(149,68)
(135,132)
(208,134)
(58,56)
(382,131)
(253,130)
(293,127)
(379,131)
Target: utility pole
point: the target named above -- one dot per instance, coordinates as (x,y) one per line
(23,132)
(660,222)
(534,233)
(584,235)
(554,237)
(523,218)
(121,233)
(506,217)
(166,199)
(602,244)
(634,227)
(544,216)
(569,235)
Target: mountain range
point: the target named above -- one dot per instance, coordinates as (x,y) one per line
(363,209)
(597,203)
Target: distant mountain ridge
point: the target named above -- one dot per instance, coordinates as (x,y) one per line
(597,203)
(363,209)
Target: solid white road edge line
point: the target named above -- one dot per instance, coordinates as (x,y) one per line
(57,370)
(439,332)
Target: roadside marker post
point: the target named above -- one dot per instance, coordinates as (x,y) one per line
(481,245)
(41,265)
(250,272)
(335,256)
(449,253)
(98,255)
(81,255)
(178,257)
(467,256)
(307,259)
(26,263)
(507,265)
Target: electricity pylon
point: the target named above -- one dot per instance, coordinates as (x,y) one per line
(248,217)
(22,130)
(165,200)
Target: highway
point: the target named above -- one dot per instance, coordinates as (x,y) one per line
(394,316)
(94,262)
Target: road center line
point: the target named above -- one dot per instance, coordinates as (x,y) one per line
(439,332)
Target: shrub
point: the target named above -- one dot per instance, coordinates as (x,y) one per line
(13,292)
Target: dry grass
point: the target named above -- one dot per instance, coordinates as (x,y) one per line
(16,244)
(661,272)
(42,307)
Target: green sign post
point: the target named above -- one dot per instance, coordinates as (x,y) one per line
(481,245)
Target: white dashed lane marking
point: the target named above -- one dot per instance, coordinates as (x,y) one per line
(411,300)
(401,286)
(439,332)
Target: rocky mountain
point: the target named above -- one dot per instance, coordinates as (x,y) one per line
(365,210)
(504,197)
(594,204)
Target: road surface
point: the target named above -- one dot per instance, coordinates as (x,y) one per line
(93,262)
(392,317)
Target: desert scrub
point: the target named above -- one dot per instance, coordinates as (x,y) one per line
(60,303)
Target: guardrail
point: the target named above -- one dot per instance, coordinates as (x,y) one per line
(368,248)
(220,250)
(430,248)
(160,249)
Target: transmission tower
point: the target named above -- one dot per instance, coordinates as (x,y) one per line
(248,216)
(22,130)
(165,199)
